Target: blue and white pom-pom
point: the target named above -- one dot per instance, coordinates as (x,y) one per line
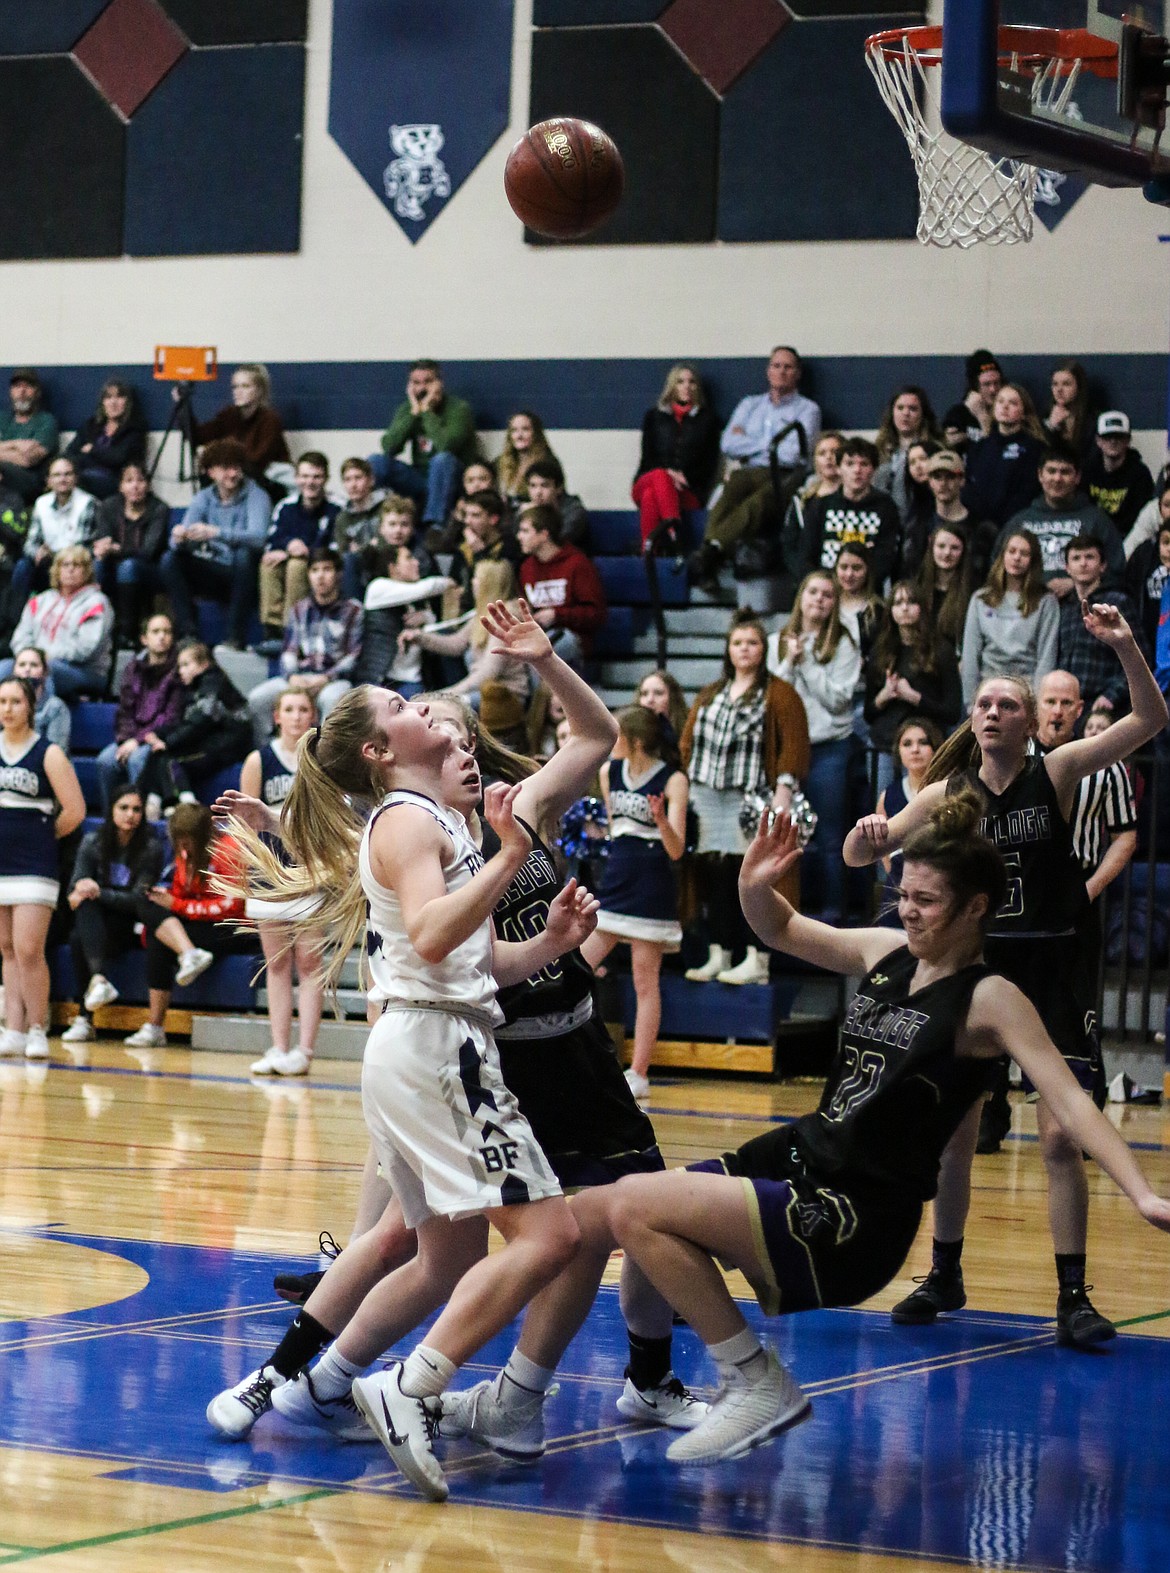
(583,829)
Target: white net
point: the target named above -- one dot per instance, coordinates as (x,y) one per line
(965,196)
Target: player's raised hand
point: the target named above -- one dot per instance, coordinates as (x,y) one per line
(572,916)
(249,811)
(1105,623)
(875,829)
(774,849)
(515,632)
(498,803)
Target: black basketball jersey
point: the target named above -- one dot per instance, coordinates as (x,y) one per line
(896,1093)
(1046,884)
(521,913)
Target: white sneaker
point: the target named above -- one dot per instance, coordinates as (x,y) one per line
(100,992)
(717,959)
(147,1037)
(79,1030)
(36,1044)
(236,1410)
(752,969)
(669,1404)
(297,1401)
(515,1431)
(638,1085)
(192,964)
(295,1063)
(11,1042)
(266,1065)
(405,1426)
(744,1416)
(153,806)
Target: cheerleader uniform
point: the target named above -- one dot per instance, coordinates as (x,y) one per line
(29,864)
(278,770)
(448,1134)
(638,895)
(556,1055)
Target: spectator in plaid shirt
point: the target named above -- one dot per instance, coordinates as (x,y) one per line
(322,641)
(1093,664)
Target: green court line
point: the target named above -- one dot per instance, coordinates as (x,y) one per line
(1153,1316)
(32,1553)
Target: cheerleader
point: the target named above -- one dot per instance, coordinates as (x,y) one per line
(646,801)
(40,801)
(268,774)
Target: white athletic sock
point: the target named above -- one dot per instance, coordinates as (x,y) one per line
(520,1379)
(426,1373)
(740,1359)
(333,1374)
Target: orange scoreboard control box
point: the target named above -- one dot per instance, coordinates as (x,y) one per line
(185,363)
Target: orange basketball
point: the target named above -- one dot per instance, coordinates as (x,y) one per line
(563,178)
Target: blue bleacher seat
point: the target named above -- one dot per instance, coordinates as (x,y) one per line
(93,726)
(716,1011)
(226,985)
(624,581)
(209,790)
(616,635)
(614,532)
(87,777)
(212,618)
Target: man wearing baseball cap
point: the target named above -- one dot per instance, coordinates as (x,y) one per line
(28,436)
(1115,477)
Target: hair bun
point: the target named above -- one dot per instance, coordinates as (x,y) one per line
(958,814)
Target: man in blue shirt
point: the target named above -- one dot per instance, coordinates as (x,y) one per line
(216,549)
(299,525)
(745,502)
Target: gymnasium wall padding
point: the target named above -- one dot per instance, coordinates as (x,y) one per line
(633,82)
(128,51)
(33,27)
(809,151)
(418,95)
(61,170)
(213,159)
(593,13)
(240,21)
(720,42)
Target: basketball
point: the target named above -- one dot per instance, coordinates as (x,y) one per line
(564,178)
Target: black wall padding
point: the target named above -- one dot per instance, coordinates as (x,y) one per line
(634,84)
(61,169)
(594,13)
(241,21)
(809,151)
(38,27)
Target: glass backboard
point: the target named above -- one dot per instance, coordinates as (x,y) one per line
(990,98)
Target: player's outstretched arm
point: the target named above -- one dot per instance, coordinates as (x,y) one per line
(874,836)
(592,729)
(1001,1012)
(572,917)
(775,850)
(1067,764)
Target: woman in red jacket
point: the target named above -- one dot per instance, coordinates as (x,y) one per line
(188,925)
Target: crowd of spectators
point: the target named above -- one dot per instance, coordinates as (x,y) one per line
(911,566)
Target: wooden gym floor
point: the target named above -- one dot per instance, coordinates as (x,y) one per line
(147,1197)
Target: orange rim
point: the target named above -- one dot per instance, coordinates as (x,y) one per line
(1024,45)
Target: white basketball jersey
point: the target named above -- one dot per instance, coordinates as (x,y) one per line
(397,971)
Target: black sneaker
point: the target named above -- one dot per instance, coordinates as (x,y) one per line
(1079,1325)
(994,1123)
(936,1292)
(703,567)
(297,1287)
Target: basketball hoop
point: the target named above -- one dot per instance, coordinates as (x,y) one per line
(964,194)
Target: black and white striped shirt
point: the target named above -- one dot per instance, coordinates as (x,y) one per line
(1103,806)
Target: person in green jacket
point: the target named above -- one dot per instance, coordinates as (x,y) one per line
(440,430)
